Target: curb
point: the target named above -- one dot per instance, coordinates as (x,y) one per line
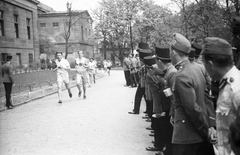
(26,97)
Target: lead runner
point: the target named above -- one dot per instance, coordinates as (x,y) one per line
(62,75)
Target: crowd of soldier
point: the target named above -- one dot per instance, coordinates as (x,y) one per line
(192,95)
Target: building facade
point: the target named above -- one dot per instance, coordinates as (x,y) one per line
(54,26)
(18,31)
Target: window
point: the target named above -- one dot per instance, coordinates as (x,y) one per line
(55,24)
(4,57)
(16,25)
(28,28)
(82,33)
(1,24)
(42,25)
(30,58)
(19,59)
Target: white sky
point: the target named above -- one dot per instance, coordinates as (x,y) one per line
(60,5)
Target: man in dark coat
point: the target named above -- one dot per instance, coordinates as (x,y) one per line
(190,128)
(156,82)
(164,63)
(7,75)
(143,51)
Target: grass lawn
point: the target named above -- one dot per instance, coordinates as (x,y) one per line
(34,80)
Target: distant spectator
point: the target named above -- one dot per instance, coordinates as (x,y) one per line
(7,75)
(109,65)
(99,65)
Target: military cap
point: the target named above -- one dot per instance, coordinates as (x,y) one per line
(192,54)
(143,46)
(217,46)
(145,52)
(198,49)
(181,43)
(162,52)
(150,60)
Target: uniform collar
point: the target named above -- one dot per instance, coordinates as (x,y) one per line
(181,63)
(230,73)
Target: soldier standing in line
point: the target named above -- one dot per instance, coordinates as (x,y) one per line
(138,65)
(218,60)
(190,124)
(126,69)
(164,63)
(132,68)
(140,93)
(62,75)
(155,82)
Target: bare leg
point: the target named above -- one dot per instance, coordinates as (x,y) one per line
(60,91)
(69,90)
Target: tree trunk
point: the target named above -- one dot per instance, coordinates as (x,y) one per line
(66,49)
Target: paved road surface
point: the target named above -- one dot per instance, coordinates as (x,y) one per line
(99,125)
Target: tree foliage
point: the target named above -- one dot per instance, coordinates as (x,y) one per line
(154,24)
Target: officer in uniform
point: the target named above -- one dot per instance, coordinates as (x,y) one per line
(209,101)
(218,60)
(132,70)
(156,82)
(190,124)
(126,69)
(164,63)
(143,51)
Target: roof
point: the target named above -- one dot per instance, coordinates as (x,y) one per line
(63,13)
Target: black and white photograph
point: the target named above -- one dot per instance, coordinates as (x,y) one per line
(119,77)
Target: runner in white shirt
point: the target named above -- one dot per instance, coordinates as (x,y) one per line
(81,73)
(92,70)
(62,75)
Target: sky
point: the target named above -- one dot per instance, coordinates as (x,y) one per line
(60,5)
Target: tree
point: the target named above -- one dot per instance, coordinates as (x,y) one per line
(72,18)
(46,45)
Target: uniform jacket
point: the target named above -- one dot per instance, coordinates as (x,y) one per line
(153,85)
(142,76)
(228,104)
(208,100)
(7,70)
(169,77)
(190,114)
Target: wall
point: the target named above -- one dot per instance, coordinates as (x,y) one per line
(9,43)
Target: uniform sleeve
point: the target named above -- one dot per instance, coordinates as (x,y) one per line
(188,99)
(236,102)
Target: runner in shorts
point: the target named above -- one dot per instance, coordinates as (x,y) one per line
(81,73)
(62,75)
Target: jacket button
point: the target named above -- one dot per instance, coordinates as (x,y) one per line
(183,121)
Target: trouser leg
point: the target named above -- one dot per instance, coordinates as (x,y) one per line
(138,98)
(8,91)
